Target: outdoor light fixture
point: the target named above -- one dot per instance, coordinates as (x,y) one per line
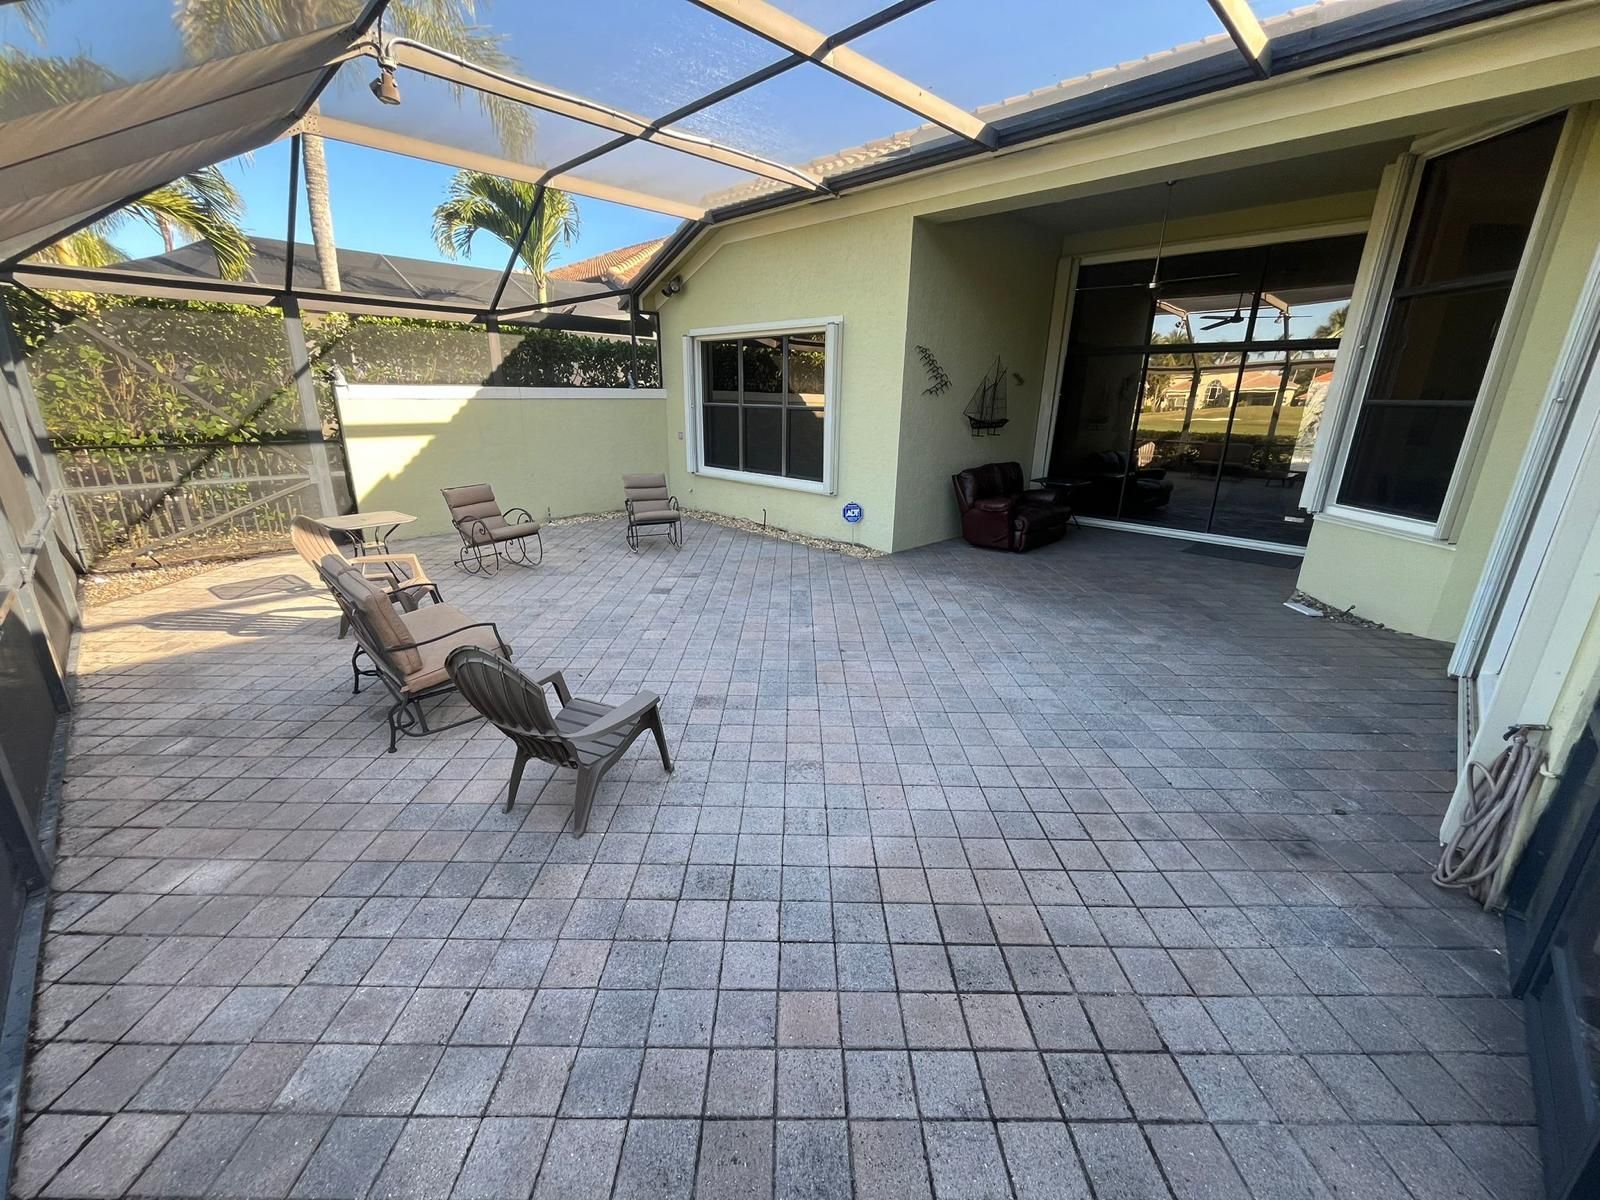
(673,286)
(386,87)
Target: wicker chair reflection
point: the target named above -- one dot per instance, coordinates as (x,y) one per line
(407,650)
(487,534)
(399,575)
(585,735)
(651,510)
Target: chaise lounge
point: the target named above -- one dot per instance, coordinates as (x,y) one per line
(400,576)
(407,650)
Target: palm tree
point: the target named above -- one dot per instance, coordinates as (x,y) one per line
(477,202)
(214,28)
(201,205)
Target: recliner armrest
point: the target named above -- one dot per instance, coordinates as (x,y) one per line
(996,504)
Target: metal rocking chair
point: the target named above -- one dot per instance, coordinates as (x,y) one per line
(484,530)
(585,735)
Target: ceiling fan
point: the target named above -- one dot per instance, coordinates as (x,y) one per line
(1234,318)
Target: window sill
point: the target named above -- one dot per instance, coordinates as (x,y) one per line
(1372,522)
(771,481)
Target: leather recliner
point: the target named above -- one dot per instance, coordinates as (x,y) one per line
(998,513)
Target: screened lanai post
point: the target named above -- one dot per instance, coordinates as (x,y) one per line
(289,223)
(1244,27)
(789,33)
(294,333)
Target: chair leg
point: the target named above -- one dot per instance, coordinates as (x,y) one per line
(355,671)
(516,778)
(394,725)
(588,783)
(653,719)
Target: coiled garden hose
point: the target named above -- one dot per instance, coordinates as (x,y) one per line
(1471,859)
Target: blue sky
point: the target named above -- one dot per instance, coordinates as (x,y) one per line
(649,57)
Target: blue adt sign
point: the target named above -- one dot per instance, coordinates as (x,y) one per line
(852,513)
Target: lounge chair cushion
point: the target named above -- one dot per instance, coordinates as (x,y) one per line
(496,530)
(649,501)
(433,621)
(377,611)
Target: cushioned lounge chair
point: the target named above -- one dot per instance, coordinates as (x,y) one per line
(487,534)
(407,650)
(651,510)
(400,575)
(585,735)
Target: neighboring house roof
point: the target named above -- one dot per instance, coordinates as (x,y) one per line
(383,275)
(614,268)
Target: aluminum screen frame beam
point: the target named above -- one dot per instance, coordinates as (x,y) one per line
(1244,27)
(45,277)
(427,60)
(453,156)
(790,33)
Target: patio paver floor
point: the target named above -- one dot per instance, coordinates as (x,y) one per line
(1093,872)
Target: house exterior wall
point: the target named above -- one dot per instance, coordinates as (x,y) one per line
(898,261)
(544,449)
(1424,586)
(855,270)
(979,290)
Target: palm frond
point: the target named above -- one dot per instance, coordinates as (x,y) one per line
(477,202)
(204,206)
(31,83)
(86,248)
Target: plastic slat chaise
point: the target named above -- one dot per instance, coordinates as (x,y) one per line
(484,530)
(584,735)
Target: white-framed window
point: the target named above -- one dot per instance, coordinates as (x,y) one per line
(1457,249)
(761,403)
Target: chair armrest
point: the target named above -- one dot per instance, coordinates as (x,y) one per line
(527,517)
(427,588)
(469,536)
(994,504)
(557,680)
(441,637)
(1045,495)
(624,714)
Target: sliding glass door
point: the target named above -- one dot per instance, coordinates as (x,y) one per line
(1192,388)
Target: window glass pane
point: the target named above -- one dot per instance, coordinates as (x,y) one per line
(722,371)
(1436,346)
(1476,205)
(807,370)
(805,443)
(1403,456)
(763,370)
(721,427)
(1475,208)
(1305,292)
(763,440)
(1099,395)
(1111,306)
(1207,297)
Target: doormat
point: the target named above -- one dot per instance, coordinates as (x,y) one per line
(1263,558)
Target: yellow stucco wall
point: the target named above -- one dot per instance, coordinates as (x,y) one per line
(978,290)
(877,258)
(1426,587)
(855,270)
(561,455)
